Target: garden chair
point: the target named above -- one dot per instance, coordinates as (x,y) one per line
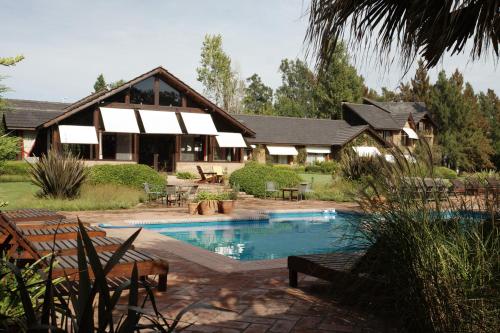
(206,176)
(304,189)
(190,195)
(457,187)
(171,195)
(271,189)
(219,173)
(152,193)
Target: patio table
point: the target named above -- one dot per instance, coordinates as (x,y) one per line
(290,190)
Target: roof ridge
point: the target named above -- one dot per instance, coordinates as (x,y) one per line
(289,117)
(33,100)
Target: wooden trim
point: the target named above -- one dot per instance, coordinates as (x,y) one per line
(135,148)
(156,89)
(56,139)
(177,109)
(184,100)
(95,148)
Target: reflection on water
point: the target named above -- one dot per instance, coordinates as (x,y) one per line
(269,239)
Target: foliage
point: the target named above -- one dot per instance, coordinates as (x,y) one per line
(439,261)
(206,196)
(93,306)
(339,190)
(295,96)
(355,167)
(20,168)
(100,83)
(11,304)
(59,176)
(185,175)
(221,81)
(302,156)
(116,84)
(253,177)
(461,126)
(258,97)
(327,167)
(293,167)
(92,197)
(11,61)
(422,28)
(444,172)
(133,175)
(489,106)
(9,148)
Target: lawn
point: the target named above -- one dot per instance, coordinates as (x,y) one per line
(327,188)
(93,197)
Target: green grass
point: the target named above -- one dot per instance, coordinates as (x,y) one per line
(93,197)
(327,188)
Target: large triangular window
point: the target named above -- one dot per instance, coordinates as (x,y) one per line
(168,95)
(143,92)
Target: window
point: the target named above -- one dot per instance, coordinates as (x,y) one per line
(225,154)
(80,150)
(192,148)
(313,158)
(279,159)
(386,135)
(117,147)
(168,95)
(143,92)
(404,139)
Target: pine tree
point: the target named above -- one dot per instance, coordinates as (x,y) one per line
(100,83)
(258,97)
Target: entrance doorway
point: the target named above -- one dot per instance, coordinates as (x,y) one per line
(157,144)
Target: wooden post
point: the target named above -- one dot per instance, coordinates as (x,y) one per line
(56,139)
(155,162)
(177,152)
(136,147)
(156,88)
(95,148)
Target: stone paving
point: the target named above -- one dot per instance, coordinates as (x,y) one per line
(259,300)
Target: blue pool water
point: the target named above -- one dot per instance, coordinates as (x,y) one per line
(277,237)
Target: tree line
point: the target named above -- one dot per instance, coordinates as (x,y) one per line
(468,121)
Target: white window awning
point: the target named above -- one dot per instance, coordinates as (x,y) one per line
(282,150)
(160,122)
(411,133)
(390,158)
(199,123)
(78,134)
(366,151)
(230,140)
(119,120)
(318,150)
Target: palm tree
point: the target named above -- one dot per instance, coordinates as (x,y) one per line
(425,28)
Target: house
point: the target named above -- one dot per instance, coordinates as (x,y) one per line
(158,120)
(400,123)
(154,119)
(279,139)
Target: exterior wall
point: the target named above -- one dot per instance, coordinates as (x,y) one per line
(191,166)
(101,162)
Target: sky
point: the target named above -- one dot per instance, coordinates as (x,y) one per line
(67,44)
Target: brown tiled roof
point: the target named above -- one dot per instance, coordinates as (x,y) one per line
(374,116)
(300,131)
(28,114)
(418,110)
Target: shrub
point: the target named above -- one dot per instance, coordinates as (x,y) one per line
(444,172)
(327,167)
(133,175)
(9,148)
(439,264)
(294,168)
(354,167)
(58,176)
(185,175)
(14,171)
(253,177)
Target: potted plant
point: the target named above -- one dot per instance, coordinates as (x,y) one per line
(193,207)
(227,200)
(207,203)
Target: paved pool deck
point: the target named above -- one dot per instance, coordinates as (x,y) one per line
(257,292)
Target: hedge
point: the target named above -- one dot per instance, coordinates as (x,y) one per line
(326,167)
(253,177)
(133,175)
(19,168)
(444,172)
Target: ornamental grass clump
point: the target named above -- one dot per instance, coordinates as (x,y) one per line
(58,175)
(439,255)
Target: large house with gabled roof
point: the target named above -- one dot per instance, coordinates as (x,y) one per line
(158,120)
(399,123)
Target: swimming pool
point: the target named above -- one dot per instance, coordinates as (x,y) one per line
(279,236)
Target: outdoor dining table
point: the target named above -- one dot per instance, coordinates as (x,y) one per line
(290,190)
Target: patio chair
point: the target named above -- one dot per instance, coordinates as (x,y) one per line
(219,173)
(304,189)
(171,195)
(206,176)
(152,193)
(457,187)
(190,194)
(271,189)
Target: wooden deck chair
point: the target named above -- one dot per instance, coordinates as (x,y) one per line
(219,173)
(205,176)
(50,224)
(67,265)
(31,215)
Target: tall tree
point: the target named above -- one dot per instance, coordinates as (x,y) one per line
(116,84)
(215,72)
(338,83)
(429,28)
(419,87)
(100,83)
(465,145)
(258,97)
(296,96)
(489,106)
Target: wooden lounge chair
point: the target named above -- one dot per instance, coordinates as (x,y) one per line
(205,175)
(67,265)
(50,224)
(31,215)
(457,187)
(329,267)
(219,173)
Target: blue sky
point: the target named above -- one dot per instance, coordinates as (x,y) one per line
(68,43)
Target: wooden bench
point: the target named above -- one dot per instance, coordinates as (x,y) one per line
(49,235)
(50,224)
(329,267)
(70,246)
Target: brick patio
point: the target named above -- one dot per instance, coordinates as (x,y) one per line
(260,299)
